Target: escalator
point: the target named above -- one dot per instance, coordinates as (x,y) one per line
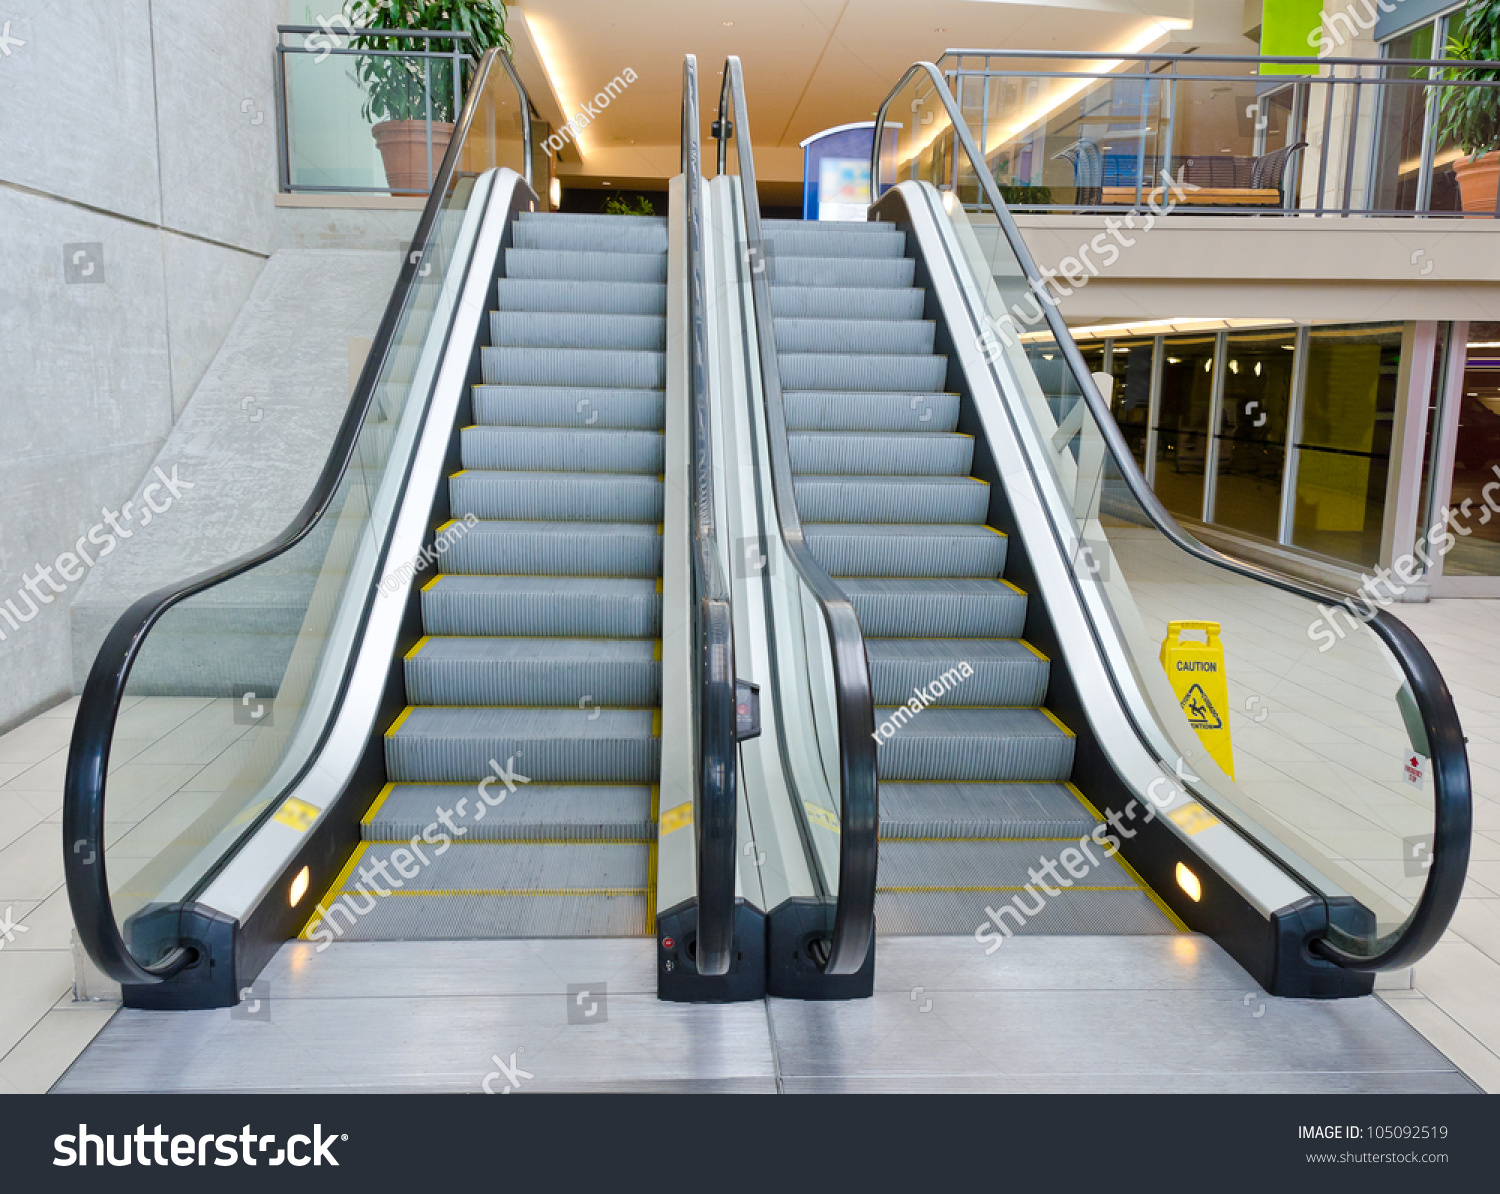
(539,664)
(973,597)
(483,687)
(975,771)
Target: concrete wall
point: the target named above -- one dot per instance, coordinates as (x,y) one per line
(142,133)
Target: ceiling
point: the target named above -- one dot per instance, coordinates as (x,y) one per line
(808,64)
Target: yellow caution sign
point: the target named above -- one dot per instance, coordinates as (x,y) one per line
(1196,671)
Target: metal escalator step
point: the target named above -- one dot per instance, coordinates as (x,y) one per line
(886,240)
(877,454)
(847,302)
(896,272)
(497,890)
(892,499)
(1124,912)
(584,217)
(973,745)
(907,549)
(562,449)
(1004,671)
(945,607)
(542,605)
(560,329)
(533,812)
(994,865)
(619,549)
(592,267)
(601,408)
(856,370)
(600,298)
(574,672)
(610,367)
(877,410)
(887,336)
(428,745)
(601,237)
(588,497)
(825,227)
(1013,810)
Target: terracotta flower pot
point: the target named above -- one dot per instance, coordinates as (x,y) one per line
(403,149)
(1477,179)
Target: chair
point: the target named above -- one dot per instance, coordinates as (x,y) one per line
(1269,170)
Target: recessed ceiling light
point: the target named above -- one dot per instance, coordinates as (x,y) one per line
(605,184)
(728,24)
(940,30)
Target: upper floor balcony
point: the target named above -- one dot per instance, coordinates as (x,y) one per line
(1200,134)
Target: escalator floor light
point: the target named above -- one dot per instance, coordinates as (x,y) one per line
(1196,672)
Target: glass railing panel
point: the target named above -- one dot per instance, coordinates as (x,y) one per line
(1130,397)
(233,686)
(1317,704)
(1250,447)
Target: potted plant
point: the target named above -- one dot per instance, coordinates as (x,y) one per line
(397,87)
(1471,115)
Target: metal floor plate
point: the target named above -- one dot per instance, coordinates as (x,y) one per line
(1109,1014)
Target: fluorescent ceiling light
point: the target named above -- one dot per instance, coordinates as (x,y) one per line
(548,49)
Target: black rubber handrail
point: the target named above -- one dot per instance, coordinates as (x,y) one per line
(713,626)
(84,791)
(859,814)
(1453,812)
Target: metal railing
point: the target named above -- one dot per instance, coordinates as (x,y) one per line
(1074,131)
(326,109)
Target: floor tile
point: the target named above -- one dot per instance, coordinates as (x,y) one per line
(39,1058)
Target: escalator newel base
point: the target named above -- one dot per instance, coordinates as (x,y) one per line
(794,931)
(677,977)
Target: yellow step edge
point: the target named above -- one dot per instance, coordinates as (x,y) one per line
(369,817)
(460,473)
(333,891)
(657,651)
(1053,718)
(421,642)
(656,723)
(651,865)
(396,725)
(1033,650)
(433,581)
(525,841)
(526,892)
(1129,870)
(986,887)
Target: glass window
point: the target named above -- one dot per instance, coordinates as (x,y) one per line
(1476,459)
(1258,371)
(1130,365)
(1345,443)
(1182,424)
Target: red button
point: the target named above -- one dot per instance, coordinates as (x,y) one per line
(667,943)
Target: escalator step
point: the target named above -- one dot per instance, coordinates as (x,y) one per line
(611,298)
(896,272)
(533,812)
(1003,671)
(886,240)
(945,607)
(599,408)
(591,237)
(556,329)
(444,745)
(1120,911)
(907,549)
(854,370)
(1014,810)
(845,302)
(892,499)
(591,266)
(878,410)
(562,450)
(851,454)
(887,336)
(621,549)
(575,672)
(537,497)
(542,605)
(611,367)
(973,745)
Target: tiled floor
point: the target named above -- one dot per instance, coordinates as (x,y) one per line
(1452,1000)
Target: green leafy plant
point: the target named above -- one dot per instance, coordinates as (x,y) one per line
(618,205)
(1471,115)
(1023,194)
(396,87)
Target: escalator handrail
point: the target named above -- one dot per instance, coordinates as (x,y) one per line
(85,781)
(1452,810)
(859,817)
(714,693)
